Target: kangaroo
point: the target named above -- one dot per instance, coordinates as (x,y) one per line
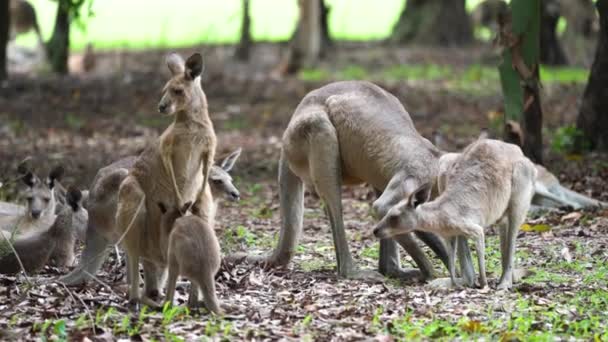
(194,252)
(350,133)
(489,181)
(35,248)
(174,170)
(102,203)
(41,203)
(63,253)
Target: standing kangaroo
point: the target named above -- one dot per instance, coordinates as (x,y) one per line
(102,203)
(194,252)
(351,133)
(490,180)
(175,170)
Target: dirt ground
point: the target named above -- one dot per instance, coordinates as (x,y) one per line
(87,121)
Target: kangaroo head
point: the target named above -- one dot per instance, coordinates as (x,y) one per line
(39,195)
(396,190)
(402,218)
(183,92)
(220,179)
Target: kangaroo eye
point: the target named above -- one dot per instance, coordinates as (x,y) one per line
(46,200)
(177,92)
(29,198)
(216,181)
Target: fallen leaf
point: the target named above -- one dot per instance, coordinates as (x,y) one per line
(572,216)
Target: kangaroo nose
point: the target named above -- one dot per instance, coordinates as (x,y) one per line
(235,196)
(377,233)
(35,214)
(162,107)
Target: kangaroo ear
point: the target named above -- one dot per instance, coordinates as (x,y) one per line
(162,207)
(29,179)
(228,163)
(194,66)
(175,64)
(55,175)
(420,195)
(73,198)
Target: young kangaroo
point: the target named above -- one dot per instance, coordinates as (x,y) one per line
(36,248)
(351,133)
(194,252)
(175,170)
(489,181)
(41,203)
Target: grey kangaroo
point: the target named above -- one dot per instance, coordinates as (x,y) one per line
(193,252)
(36,248)
(102,231)
(489,181)
(351,133)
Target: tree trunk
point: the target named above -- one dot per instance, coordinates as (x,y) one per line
(4,28)
(242,50)
(305,47)
(551,51)
(433,22)
(581,35)
(58,46)
(519,72)
(326,40)
(593,117)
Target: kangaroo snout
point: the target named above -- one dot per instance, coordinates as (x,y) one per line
(162,108)
(36,214)
(235,196)
(380,233)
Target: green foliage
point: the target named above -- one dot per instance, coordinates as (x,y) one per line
(565,138)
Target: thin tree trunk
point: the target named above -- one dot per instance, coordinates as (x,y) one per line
(244,47)
(58,46)
(4,28)
(519,72)
(551,51)
(433,22)
(326,40)
(305,47)
(593,116)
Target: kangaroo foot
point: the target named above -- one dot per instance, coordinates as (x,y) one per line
(408,275)
(365,275)
(447,284)
(135,304)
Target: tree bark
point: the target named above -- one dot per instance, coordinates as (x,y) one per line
(305,47)
(433,22)
(244,47)
(593,117)
(551,51)
(326,40)
(4,32)
(58,46)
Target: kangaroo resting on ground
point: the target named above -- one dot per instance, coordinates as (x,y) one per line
(490,180)
(351,133)
(102,204)
(35,248)
(194,252)
(41,203)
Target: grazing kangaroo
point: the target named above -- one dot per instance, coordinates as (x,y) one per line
(175,170)
(194,252)
(35,248)
(351,133)
(102,203)
(489,181)
(41,203)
